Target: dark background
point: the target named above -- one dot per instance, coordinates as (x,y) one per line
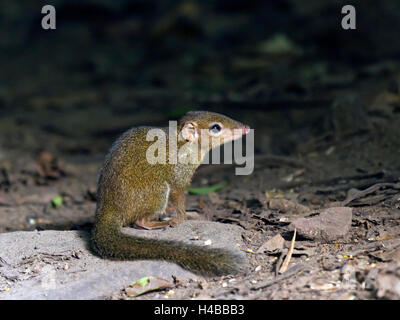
(111,65)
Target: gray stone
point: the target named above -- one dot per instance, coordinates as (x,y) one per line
(60,265)
(331,224)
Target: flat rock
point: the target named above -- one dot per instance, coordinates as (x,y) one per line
(331,224)
(60,264)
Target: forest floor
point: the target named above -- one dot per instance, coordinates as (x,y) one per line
(358,261)
(326,136)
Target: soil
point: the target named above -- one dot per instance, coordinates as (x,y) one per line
(326,119)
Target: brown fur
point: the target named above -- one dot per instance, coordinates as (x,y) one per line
(131,190)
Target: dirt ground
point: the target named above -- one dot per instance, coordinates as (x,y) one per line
(326,120)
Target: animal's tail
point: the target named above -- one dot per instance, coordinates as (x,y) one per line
(110,242)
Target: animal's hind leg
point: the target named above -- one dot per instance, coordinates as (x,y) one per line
(177,199)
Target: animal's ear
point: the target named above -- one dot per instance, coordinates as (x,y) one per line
(190,131)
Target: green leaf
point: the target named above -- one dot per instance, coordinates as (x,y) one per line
(142,281)
(209,189)
(147,284)
(56,201)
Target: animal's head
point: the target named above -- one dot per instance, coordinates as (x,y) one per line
(209,127)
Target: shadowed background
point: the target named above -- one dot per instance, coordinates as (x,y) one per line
(109,65)
(313,92)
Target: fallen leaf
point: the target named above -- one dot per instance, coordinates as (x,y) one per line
(207,190)
(273,245)
(48,165)
(322,285)
(57,201)
(147,284)
(284,205)
(386,236)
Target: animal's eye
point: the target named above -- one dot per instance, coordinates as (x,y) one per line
(215,128)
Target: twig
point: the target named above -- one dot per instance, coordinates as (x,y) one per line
(369,190)
(281,160)
(366,249)
(280,260)
(377,177)
(286,262)
(291,272)
(3,263)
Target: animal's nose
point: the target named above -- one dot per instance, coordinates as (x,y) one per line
(246,129)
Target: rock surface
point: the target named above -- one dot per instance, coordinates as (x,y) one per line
(331,224)
(60,265)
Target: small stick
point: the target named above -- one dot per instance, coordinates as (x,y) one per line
(369,190)
(291,272)
(380,176)
(285,263)
(280,260)
(3,262)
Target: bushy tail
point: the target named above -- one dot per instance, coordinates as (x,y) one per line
(109,241)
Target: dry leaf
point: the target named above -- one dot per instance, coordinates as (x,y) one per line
(273,245)
(284,205)
(147,284)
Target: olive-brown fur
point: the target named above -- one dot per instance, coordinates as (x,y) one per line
(130,189)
